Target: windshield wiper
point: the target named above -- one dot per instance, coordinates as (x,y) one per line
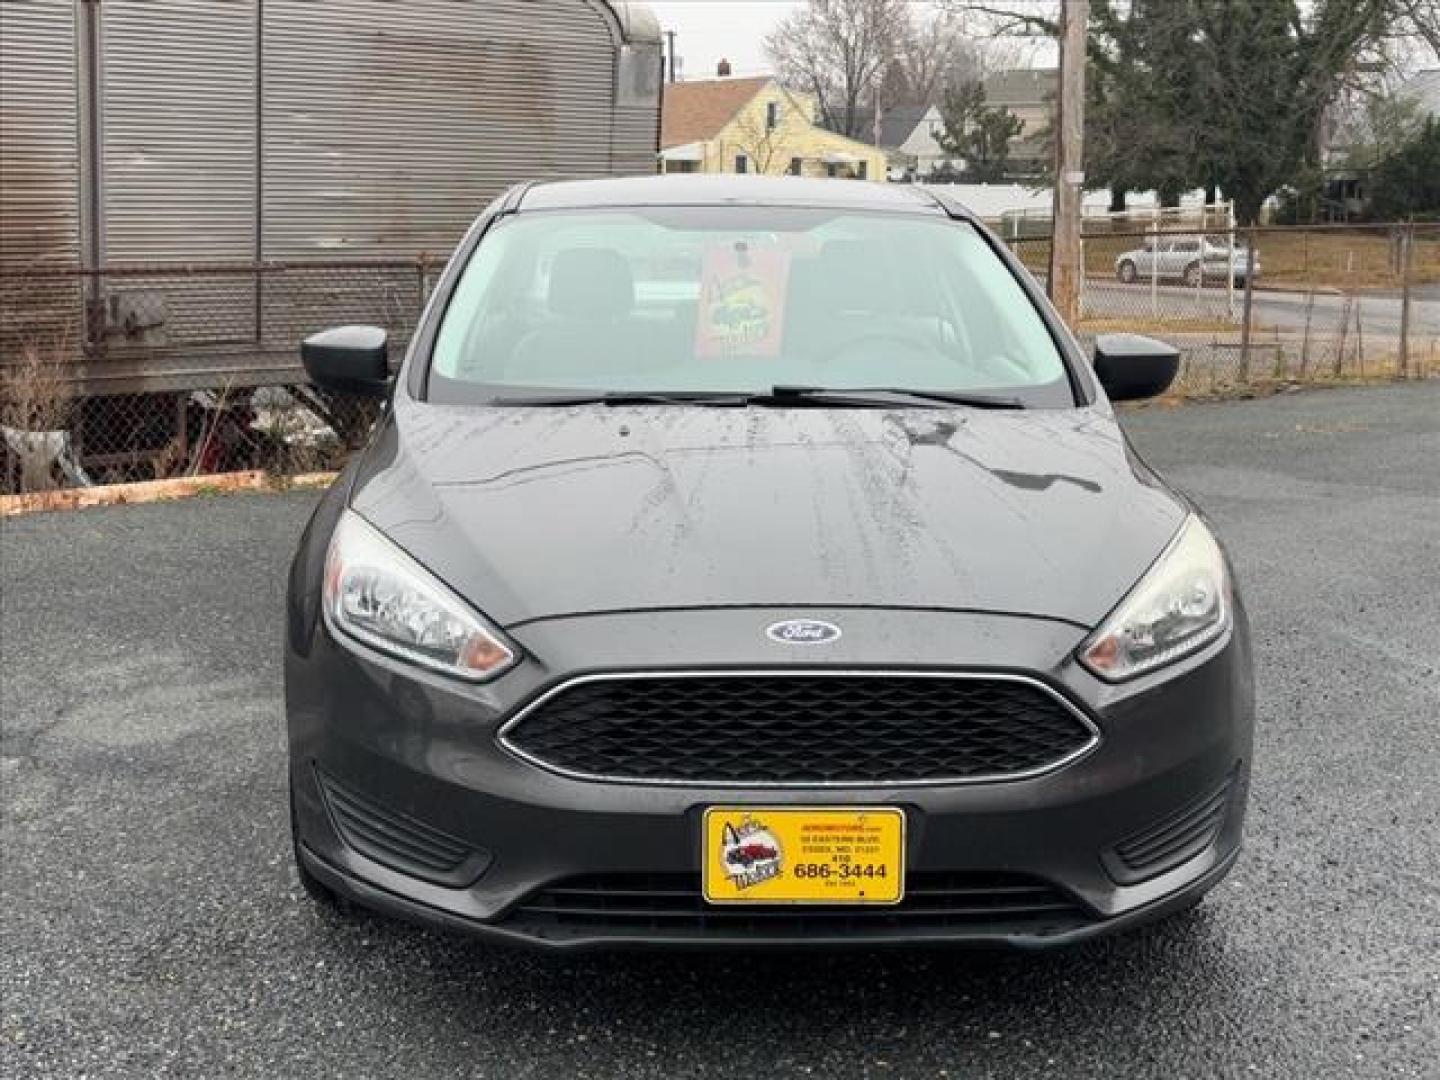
(870,397)
(626,397)
(885,396)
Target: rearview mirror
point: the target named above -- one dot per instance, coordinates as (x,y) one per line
(351,359)
(1131,367)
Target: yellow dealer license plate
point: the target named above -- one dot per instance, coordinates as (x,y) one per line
(790,855)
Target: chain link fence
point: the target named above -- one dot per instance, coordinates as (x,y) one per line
(144,372)
(1316,304)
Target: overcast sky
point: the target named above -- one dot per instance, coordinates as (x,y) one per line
(706,30)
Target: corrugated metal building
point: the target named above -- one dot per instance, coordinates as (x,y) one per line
(140,139)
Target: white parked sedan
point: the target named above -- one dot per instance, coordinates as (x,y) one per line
(1184,258)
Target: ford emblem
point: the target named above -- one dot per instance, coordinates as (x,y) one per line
(802,632)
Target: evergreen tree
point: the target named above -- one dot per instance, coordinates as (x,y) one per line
(1136,137)
(977,132)
(1407,183)
(1192,93)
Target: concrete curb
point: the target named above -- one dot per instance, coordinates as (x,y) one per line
(147,491)
(1295,289)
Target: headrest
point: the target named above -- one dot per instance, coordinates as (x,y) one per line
(591,283)
(856,270)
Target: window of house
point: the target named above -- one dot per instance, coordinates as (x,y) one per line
(861,169)
(796,165)
(831,169)
(742,163)
(772,116)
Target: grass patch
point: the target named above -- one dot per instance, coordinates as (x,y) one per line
(1377,371)
(1343,259)
(1119,324)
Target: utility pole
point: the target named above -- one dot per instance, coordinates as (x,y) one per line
(875,121)
(1065,252)
(670,37)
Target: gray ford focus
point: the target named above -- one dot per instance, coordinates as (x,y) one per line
(750,562)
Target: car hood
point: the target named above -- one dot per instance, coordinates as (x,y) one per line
(537,512)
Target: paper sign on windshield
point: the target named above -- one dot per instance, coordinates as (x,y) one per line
(742,302)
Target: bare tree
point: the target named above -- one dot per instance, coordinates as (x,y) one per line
(837,50)
(1008,18)
(933,55)
(759,140)
(1422,19)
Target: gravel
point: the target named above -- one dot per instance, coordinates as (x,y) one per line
(151,925)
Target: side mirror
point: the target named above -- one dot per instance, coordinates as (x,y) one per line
(350,359)
(1131,367)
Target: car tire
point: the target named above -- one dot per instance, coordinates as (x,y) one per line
(323,896)
(1126,272)
(1192,275)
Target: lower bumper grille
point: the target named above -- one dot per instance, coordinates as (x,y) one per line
(400,842)
(1173,840)
(671,907)
(800,728)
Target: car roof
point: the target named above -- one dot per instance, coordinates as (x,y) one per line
(721,190)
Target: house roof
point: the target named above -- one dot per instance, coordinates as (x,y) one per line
(693,111)
(1424,88)
(1021,86)
(896,124)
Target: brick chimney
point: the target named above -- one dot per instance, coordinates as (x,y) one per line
(722,69)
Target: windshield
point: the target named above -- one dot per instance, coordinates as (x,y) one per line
(739,300)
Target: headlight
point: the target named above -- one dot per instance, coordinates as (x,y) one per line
(377,594)
(1180,605)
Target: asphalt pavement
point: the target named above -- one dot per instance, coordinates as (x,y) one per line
(151,925)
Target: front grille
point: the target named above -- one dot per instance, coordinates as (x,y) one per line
(672,906)
(762,728)
(1173,840)
(398,841)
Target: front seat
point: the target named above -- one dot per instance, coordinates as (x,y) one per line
(590,300)
(836,297)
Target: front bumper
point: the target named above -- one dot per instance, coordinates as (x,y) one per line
(425,748)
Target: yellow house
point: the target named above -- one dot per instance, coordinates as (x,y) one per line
(755,125)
